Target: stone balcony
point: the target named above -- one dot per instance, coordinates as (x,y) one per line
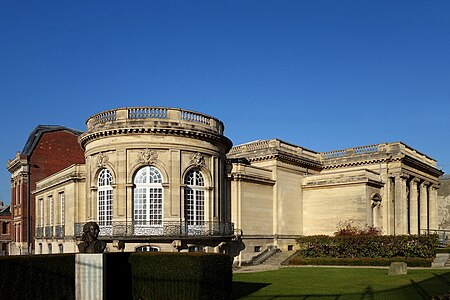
(167,229)
(151,119)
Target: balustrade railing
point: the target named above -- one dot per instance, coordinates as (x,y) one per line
(39,232)
(167,229)
(194,117)
(153,114)
(350,152)
(48,232)
(148,113)
(103,117)
(59,231)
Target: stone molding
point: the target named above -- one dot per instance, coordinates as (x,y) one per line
(148,157)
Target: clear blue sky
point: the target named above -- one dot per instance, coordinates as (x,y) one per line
(324,75)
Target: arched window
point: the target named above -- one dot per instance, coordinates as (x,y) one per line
(148,197)
(105,199)
(194,198)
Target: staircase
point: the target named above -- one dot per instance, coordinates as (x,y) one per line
(277,258)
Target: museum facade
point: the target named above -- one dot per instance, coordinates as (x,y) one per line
(164,179)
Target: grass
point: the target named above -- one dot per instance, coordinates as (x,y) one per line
(340,283)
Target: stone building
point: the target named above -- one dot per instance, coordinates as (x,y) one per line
(154,180)
(5,231)
(48,150)
(280,191)
(163,179)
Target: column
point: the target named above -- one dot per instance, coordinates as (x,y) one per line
(413,207)
(432,206)
(423,207)
(401,217)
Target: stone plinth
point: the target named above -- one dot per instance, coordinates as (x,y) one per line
(397,268)
(89,276)
(440,260)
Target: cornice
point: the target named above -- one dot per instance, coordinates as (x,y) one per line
(248,178)
(90,136)
(330,165)
(288,159)
(327,182)
(66,178)
(416,164)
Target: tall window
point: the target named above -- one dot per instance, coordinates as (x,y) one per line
(41,212)
(194,198)
(148,197)
(105,198)
(61,206)
(50,204)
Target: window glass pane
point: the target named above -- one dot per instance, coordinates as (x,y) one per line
(148,197)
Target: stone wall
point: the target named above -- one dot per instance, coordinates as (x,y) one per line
(444,202)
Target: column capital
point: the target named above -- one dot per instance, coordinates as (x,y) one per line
(424,184)
(400,175)
(414,181)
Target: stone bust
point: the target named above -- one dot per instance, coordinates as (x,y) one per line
(90,243)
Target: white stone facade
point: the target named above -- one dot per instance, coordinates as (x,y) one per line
(168,180)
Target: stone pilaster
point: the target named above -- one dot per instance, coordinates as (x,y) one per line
(401,217)
(423,206)
(413,207)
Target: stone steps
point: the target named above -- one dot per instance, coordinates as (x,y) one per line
(278,258)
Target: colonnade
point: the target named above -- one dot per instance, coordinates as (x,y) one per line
(415,206)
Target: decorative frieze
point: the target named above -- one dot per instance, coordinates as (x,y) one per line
(102,160)
(198,160)
(148,156)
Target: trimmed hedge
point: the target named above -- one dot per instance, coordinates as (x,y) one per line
(405,246)
(38,277)
(126,276)
(412,262)
(172,275)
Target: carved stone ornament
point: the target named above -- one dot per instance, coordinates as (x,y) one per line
(148,156)
(102,160)
(198,160)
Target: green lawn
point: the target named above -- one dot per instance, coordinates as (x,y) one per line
(340,283)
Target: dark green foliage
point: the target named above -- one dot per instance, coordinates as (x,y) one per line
(443,250)
(38,277)
(126,276)
(181,276)
(363,246)
(326,261)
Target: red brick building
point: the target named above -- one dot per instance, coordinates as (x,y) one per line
(5,228)
(49,149)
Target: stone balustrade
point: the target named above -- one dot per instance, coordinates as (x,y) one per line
(120,229)
(153,117)
(387,149)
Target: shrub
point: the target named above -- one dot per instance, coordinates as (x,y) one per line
(126,276)
(412,262)
(362,246)
(38,277)
(347,228)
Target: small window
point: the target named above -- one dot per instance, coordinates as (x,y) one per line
(4,228)
(147,249)
(61,248)
(290,247)
(40,248)
(196,249)
(257,249)
(49,248)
